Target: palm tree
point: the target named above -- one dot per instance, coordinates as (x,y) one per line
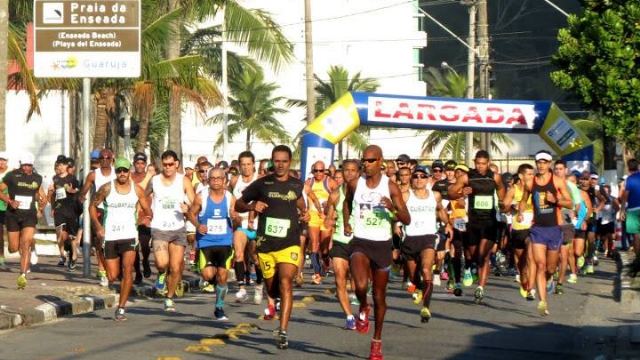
(452,143)
(254,110)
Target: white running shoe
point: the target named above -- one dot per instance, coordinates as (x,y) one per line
(241,295)
(257,297)
(436,279)
(104,282)
(34,257)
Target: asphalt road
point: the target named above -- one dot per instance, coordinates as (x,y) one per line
(582,325)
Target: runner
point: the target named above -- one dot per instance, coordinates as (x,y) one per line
(630,204)
(481,185)
(141,177)
(375,202)
(118,228)
(61,196)
(404,183)
(598,202)
(167,226)
(321,185)
(568,224)
(548,195)
(245,234)
(212,214)
(98,177)
(582,212)
(3,205)
(458,219)
(422,238)
(278,199)
(24,190)
(340,250)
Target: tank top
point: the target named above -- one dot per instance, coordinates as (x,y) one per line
(527,215)
(167,213)
(321,191)
(545,213)
(120,216)
(459,215)
(338,234)
(423,215)
(372,221)
(482,205)
(218,220)
(237,192)
(582,213)
(101,180)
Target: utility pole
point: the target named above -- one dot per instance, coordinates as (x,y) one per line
(471,72)
(483,54)
(308,45)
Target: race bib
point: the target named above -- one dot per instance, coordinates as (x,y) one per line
(25,202)
(216,226)
(483,202)
(168,224)
(527,218)
(459,224)
(277,227)
(117,229)
(61,194)
(169,204)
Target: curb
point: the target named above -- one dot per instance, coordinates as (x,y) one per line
(629,298)
(57,308)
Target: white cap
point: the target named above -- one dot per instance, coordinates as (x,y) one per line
(4,155)
(26,158)
(543,155)
(594,176)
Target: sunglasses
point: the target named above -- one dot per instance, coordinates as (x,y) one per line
(217,178)
(317,170)
(369,160)
(105,157)
(122,170)
(202,171)
(420,176)
(168,164)
(437,170)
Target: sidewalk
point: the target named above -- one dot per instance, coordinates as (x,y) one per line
(54,292)
(628,335)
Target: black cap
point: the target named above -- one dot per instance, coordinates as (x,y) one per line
(222,165)
(450,165)
(403,158)
(71,162)
(437,164)
(61,159)
(506,177)
(140,156)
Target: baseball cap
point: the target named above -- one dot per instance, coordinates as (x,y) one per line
(403,158)
(462,167)
(222,165)
(450,165)
(544,155)
(421,169)
(26,158)
(437,164)
(506,177)
(4,155)
(121,162)
(71,162)
(61,159)
(594,176)
(140,156)
(95,154)
(576,173)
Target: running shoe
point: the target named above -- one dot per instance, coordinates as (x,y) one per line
(425,314)
(411,287)
(436,280)
(180,289)
(104,281)
(474,274)
(209,288)
(299,280)
(573,278)
(72,265)
(523,292)
(444,275)
(34,257)
(405,285)
(517,278)
(194,268)
(376,350)
(316,279)
(269,313)
(62,261)
(467,279)
(120,315)
(590,269)
(282,339)
(531,295)
(351,323)
(595,260)
(450,286)
(219,314)
(169,305)
(417,297)
(362,322)
(161,284)
(457,290)
(146,269)
(241,295)
(551,286)
(559,289)
(542,308)
(353,299)
(478,295)
(580,261)
(22,282)
(257,297)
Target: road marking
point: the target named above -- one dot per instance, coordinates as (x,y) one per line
(299,305)
(247,326)
(197,349)
(168,358)
(211,341)
(308,299)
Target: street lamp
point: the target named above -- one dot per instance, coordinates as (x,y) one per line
(446,66)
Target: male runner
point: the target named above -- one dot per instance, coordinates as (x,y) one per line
(422,237)
(24,190)
(118,228)
(98,177)
(630,204)
(548,194)
(481,185)
(3,205)
(583,219)
(141,177)
(340,250)
(404,183)
(61,196)
(278,199)
(375,202)
(212,214)
(167,226)
(458,219)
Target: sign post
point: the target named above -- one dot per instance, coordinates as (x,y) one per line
(87,39)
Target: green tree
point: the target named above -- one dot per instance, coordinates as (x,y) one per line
(598,63)
(452,143)
(255,111)
(593,128)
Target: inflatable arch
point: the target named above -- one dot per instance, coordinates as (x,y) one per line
(354,109)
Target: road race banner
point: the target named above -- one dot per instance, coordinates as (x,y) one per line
(393,111)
